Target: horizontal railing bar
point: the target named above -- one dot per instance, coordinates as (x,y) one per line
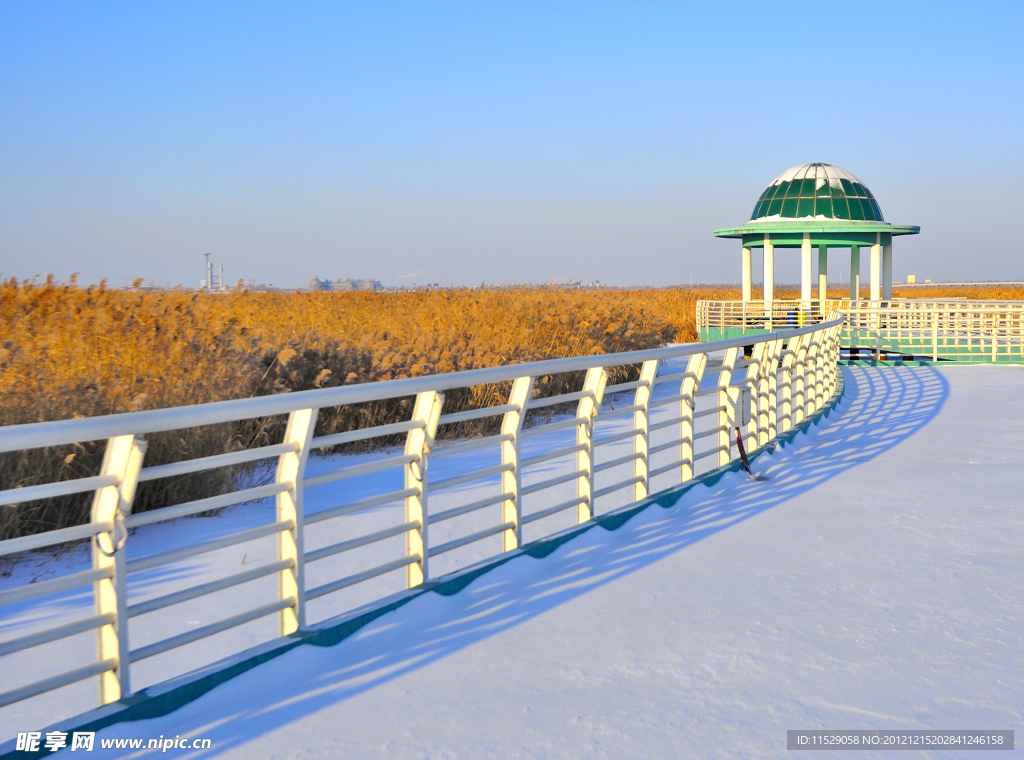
(51,537)
(709,391)
(476,414)
(665,468)
(617,487)
(609,390)
(553,426)
(470,539)
(53,634)
(150,605)
(669,400)
(616,462)
(473,506)
(553,454)
(562,398)
(709,452)
(666,423)
(361,435)
(617,437)
(39,434)
(359,469)
(366,575)
(49,684)
(708,433)
(205,505)
(54,586)
(355,543)
(359,506)
(54,490)
(209,630)
(673,378)
(611,413)
(220,460)
(470,445)
(469,477)
(742,381)
(552,482)
(666,446)
(541,514)
(155,560)
(709,412)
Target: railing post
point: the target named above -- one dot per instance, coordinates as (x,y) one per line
(291,582)
(728,398)
(512,480)
(994,340)
(756,374)
(123,459)
(772,364)
(641,423)
(811,376)
(835,361)
(800,379)
(785,417)
(687,390)
(418,442)
(594,385)
(819,370)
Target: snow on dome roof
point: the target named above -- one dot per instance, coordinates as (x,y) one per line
(816,192)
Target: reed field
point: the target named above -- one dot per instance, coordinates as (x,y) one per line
(68,351)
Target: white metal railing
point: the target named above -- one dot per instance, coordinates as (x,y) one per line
(949,329)
(785,379)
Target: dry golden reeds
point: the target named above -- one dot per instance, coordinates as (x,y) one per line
(75,352)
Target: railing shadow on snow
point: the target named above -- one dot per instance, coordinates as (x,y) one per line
(880,409)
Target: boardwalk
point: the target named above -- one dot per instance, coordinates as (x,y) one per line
(872,582)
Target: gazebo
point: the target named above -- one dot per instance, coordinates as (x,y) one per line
(819,206)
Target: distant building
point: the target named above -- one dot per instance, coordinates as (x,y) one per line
(348,284)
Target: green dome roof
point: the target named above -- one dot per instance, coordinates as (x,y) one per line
(816,192)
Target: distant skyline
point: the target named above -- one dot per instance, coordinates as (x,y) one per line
(459,143)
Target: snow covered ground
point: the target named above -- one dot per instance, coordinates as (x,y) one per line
(872,582)
(45,612)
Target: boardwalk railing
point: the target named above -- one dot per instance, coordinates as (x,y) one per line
(784,379)
(952,329)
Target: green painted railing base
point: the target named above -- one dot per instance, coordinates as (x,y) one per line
(164,698)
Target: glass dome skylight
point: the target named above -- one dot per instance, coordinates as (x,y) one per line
(816,192)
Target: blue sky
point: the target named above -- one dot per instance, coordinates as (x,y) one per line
(460,143)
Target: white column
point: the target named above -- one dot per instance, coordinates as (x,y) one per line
(887,272)
(876,269)
(589,405)
(122,459)
(418,443)
(291,468)
(854,272)
(512,481)
(746,273)
(728,401)
(822,277)
(769,276)
(641,426)
(805,272)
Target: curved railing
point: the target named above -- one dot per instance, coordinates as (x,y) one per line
(941,329)
(684,408)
